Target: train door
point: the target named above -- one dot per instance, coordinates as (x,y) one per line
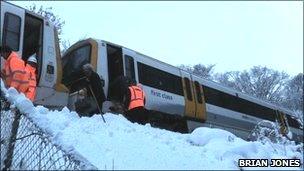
(282,122)
(200,106)
(115,65)
(32,40)
(188,95)
(12,26)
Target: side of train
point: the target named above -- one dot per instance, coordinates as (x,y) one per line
(174,93)
(171,92)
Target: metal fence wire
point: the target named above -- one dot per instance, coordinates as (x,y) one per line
(24,146)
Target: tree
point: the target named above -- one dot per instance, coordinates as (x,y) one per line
(48,14)
(261,82)
(200,70)
(294,93)
(65,44)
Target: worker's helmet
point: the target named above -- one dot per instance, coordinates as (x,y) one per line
(32,59)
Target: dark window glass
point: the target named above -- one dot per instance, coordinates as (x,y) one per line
(73,62)
(212,97)
(285,120)
(292,122)
(115,63)
(11,32)
(33,40)
(188,89)
(129,66)
(50,69)
(198,92)
(159,79)
(231,102)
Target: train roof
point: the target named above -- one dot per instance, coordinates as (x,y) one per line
(27,11)
(211,83)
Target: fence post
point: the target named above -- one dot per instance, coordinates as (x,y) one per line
(12,140)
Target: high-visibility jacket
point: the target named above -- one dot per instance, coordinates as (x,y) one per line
(31,74)
(14,73)
(137,97)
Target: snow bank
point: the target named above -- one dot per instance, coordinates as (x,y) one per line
(120,144)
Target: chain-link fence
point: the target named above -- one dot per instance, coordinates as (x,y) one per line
(24,146)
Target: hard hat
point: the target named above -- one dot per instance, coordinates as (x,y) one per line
(32,59)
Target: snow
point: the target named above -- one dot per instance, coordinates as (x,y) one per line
(120,144)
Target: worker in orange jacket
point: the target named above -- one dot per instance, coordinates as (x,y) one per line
(13,72)
(30,69)
(135,101)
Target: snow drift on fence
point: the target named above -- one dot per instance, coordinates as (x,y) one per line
(120,144)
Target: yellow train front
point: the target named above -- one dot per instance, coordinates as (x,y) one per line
(182,100)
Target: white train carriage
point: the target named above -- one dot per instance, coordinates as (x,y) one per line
(174,93)
(28,33)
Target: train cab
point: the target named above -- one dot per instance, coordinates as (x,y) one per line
(28,33)
(106,60)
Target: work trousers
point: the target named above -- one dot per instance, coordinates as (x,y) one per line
(138,114)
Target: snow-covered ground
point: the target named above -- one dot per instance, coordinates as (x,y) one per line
(120,144)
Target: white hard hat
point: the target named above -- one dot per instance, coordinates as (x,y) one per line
(32,59)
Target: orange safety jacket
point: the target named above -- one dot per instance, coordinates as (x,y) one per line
(31,74)
(137,97)
(14,73)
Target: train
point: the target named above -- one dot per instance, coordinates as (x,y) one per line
(28,33)
(174,94)
(176,98)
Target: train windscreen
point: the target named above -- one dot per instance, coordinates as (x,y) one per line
(72,64)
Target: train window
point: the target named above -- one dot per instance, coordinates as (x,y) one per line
(225,100)
(129,64)
(159,79)
(198,92)
(212,96)
(11,31)
(73,62)
(292,122)
(188,88)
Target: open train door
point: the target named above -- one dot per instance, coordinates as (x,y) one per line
(41,39)
(281,118)
(115,66)
(188,95)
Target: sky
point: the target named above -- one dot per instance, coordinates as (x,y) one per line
(232,35)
